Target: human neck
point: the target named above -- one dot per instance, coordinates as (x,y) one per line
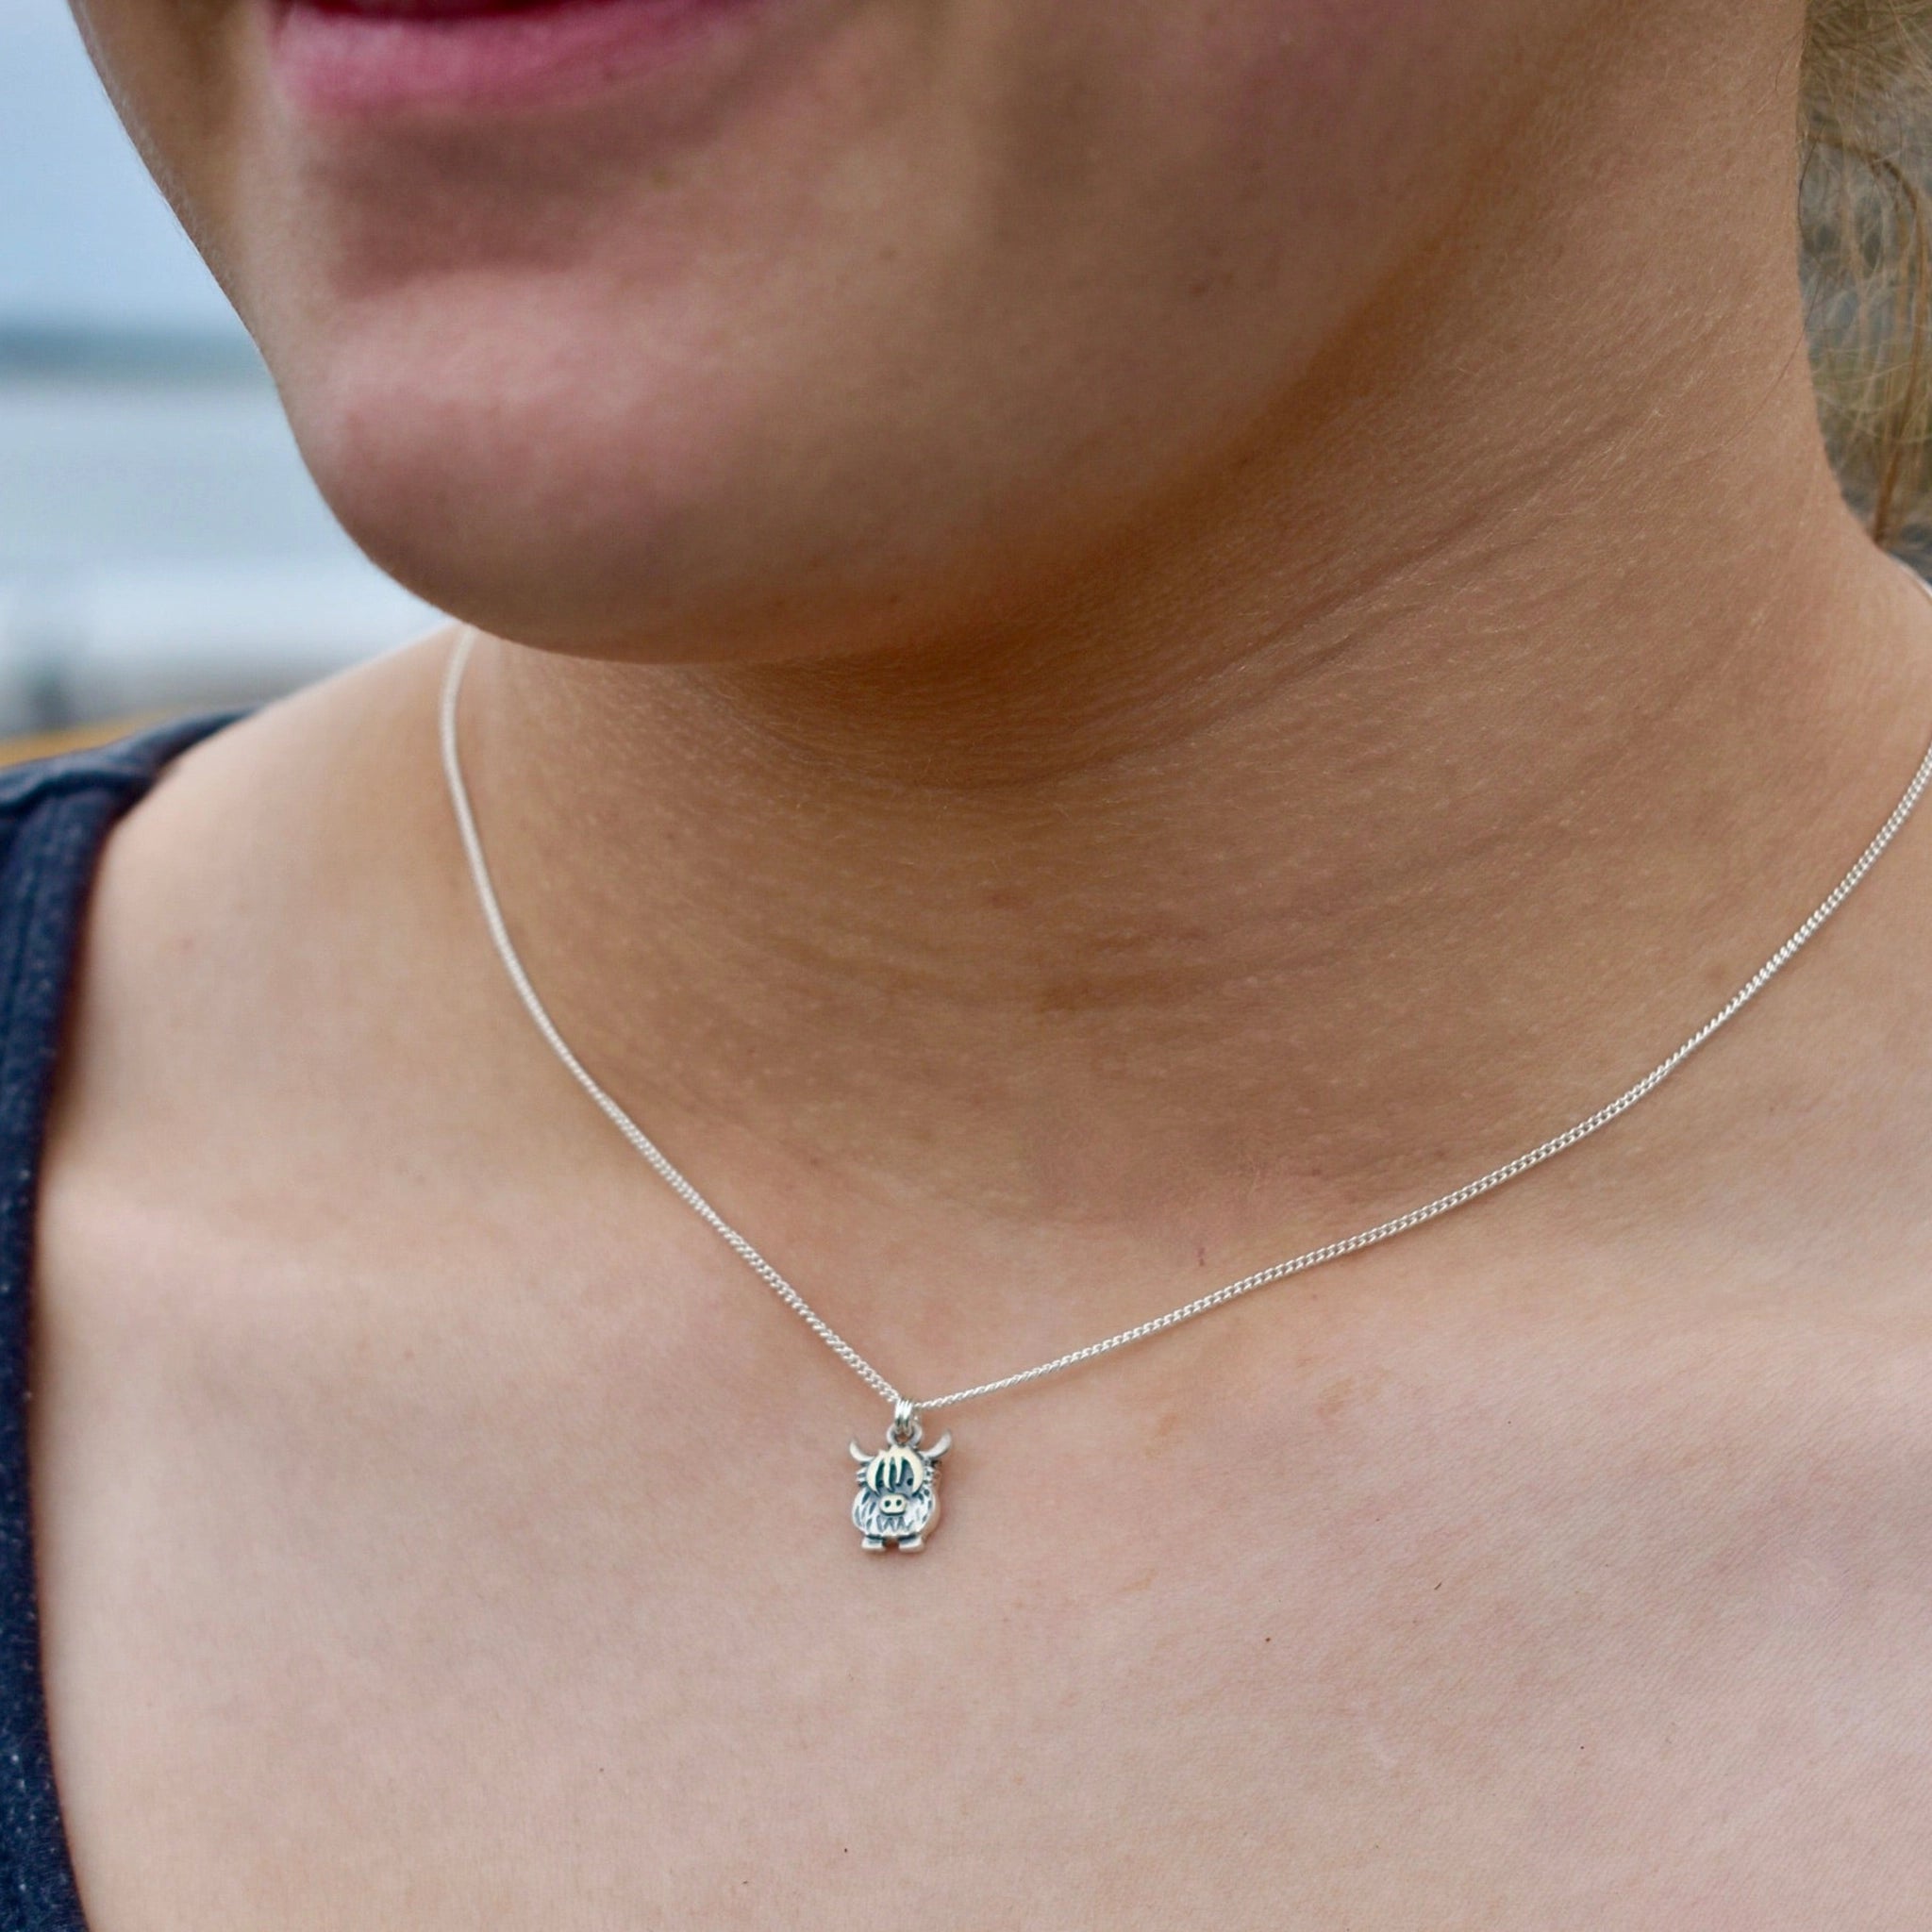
(1345,826)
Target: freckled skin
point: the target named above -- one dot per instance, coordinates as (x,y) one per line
(1230,611)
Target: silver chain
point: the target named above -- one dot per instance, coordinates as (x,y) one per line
(1279,1271)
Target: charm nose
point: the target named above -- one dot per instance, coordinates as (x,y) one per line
(893,1506)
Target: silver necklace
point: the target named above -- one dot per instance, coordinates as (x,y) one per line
(897,1503)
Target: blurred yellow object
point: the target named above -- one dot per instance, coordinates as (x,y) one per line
(47,745)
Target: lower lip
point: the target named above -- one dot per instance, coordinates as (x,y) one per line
(441,57)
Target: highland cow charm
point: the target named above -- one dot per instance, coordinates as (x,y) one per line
(898,1500)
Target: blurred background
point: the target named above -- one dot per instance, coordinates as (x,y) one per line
(160,546)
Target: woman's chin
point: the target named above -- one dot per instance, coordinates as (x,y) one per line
(672,508)
(642,572)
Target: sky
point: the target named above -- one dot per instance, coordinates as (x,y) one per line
(85,237)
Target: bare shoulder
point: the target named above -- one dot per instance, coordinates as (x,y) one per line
(289,823)
(324,771)
(258,923)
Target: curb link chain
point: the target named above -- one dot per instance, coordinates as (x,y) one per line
(1279,1271)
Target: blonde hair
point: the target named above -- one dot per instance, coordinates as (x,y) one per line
(1866,231)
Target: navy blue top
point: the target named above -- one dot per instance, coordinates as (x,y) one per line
(55,815)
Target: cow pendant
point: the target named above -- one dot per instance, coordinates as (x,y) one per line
(898,1499)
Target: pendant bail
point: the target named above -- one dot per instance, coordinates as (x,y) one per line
(906,1426)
